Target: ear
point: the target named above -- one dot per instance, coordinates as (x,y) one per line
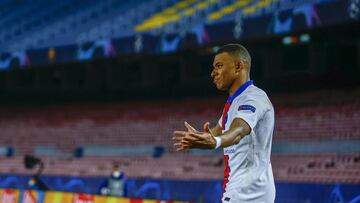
(238,66)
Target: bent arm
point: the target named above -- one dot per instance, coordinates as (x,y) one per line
(238,129)
(216,131)
(206,140)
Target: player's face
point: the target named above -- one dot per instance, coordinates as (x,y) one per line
(223,72)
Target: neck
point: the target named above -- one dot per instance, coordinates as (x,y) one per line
(237,83)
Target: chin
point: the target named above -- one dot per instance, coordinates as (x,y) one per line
(220,88)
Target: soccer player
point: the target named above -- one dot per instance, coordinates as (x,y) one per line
(244,130)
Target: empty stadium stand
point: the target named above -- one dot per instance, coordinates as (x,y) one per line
(55,133)
(42,24)
(39,24)
(153,122)
(309,168)
(317,168)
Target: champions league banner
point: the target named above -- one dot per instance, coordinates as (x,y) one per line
(35,196)
(154,190)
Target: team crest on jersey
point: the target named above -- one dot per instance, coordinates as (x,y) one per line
(247,107)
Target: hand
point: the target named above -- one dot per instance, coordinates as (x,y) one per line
(194,139)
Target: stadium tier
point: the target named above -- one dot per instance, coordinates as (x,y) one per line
(153,123)
(85,140)
(39,24)
(317,168)
(39,32)
(297,168)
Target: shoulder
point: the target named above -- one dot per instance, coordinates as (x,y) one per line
(254,93)
(255,96)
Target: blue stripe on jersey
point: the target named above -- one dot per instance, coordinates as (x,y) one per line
(240,90)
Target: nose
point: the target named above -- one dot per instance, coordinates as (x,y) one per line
(213,73)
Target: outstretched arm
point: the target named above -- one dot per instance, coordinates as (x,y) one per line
(206,140)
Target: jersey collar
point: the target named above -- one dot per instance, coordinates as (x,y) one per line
(240,90)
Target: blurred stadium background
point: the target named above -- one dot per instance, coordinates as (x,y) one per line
(86,85)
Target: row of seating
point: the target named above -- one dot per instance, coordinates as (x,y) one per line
(152,123)
(320,168)
(315,168)
(39,24)
(28,18)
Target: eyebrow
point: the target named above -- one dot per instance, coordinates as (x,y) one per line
(217,63)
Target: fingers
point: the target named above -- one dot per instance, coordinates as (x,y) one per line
(184,140)
(189,127)
(192,137)
(180,149)
(206,127)
(188,140)
(181,146)
(187,136)
(180,133)
(177,138)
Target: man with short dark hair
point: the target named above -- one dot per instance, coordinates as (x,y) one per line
(244,130)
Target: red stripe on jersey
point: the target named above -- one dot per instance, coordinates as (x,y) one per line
(224,116)
(226,172)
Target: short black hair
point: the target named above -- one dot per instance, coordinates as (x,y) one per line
(236,50)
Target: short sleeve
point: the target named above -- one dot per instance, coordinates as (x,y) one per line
(250,110)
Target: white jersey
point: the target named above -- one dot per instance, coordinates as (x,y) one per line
(248,172)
